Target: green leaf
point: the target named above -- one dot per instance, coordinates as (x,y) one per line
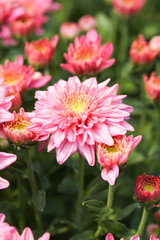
(39,200)
(97,208)
(117,229)
(126,211)
(87,235)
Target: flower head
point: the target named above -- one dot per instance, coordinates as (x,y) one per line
(69,30)
(152,229)
(152,86)
(79,115)
(40,52)
(87,56)
(86,23)
(147,189)
(141,52)
(128,7)
(154,43)
(19,77)
(136,237)
(111,157)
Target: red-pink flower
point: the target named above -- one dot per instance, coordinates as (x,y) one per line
(154,43)
(86,23)
(152,86)
(156,216)
(39,53)
(86,56)
(128,7)
(141,52)
(147,189)
(136,237)
(20,77)
(111,157)
(69,30)
(6,36)
(79,115)
(16,130)
(152,229)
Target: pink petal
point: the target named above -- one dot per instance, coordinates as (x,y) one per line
(109,237)
(39,82)
(45,236)
(2,217)
(27,234)
(88,152)
(6,159)
(92,35)
(3,183)
(65,150)
(102,134)
(136,237)
(110,174)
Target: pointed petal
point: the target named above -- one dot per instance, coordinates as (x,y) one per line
(102,134)
(45,236)
(3,183)
(27,234)
(65,150)
(6,159)
(109,237)
(110,174)
(88,152)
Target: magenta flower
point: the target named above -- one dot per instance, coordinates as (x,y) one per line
(111,157)
(86,56)
(28,235)
(79,115)
(6,231)
(136,237)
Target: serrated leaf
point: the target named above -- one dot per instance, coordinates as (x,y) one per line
(117,229)
(97,208)
(39,200)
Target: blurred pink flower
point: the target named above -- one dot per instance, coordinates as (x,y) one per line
(152,86)
(140,51)
(6,231)
(136,237)
(152,229)
(69,30)
(78,115)
(20,77)
(155,43)
(111,157)
(86,56)
(156,216)
(39,53)
(128,7)
(86,23)
(6,36)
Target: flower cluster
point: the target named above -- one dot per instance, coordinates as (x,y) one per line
(23,17)
(69,30)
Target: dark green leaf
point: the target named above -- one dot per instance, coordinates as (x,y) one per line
(39,200)
(126,211)
(87,235)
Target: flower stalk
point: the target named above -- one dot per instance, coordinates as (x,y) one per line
(142,222)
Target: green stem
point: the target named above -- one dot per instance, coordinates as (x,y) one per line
(31,176)
(80,190)
(142,222)
(123,40)
(21,204)
(110,196)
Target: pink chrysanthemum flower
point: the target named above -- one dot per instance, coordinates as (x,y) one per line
(69,30)
(136,237)
(39,53)
(154,43)
(20,77)
(141,52)
(152,86)
(147,189)
(16,130)
(86,23)
(128,7)
(152,229)
(111,157)
(86,56)
(79,115)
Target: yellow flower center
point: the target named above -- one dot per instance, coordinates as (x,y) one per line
(115,148)
(19,123)
(84,53)
(40,47)
(12,76)
(78,103)
(149,188)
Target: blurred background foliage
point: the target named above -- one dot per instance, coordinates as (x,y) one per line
(58,183)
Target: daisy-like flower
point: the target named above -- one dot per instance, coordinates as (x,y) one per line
(141,52)
(79,115)
(69,30)
(147,189)
(136,237)
(86,56)
(152,86)
(86,23)
(152,229)
(20,77)
(39,53)
(128,7)
(111,157)
(16,130)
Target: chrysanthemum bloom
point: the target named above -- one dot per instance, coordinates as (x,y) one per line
(156,216)
(79,115)
(6,159)
(152,229)
(16,130)
(20,77)
(39,53)
(5,104)
(141,52)
(6,36)
(6,231)
(147,189)
(69,30)
(86,56)
(28,235)
(111,157)
(155,43)
(86,23)
(136,237)
(128,7)
(152,86)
